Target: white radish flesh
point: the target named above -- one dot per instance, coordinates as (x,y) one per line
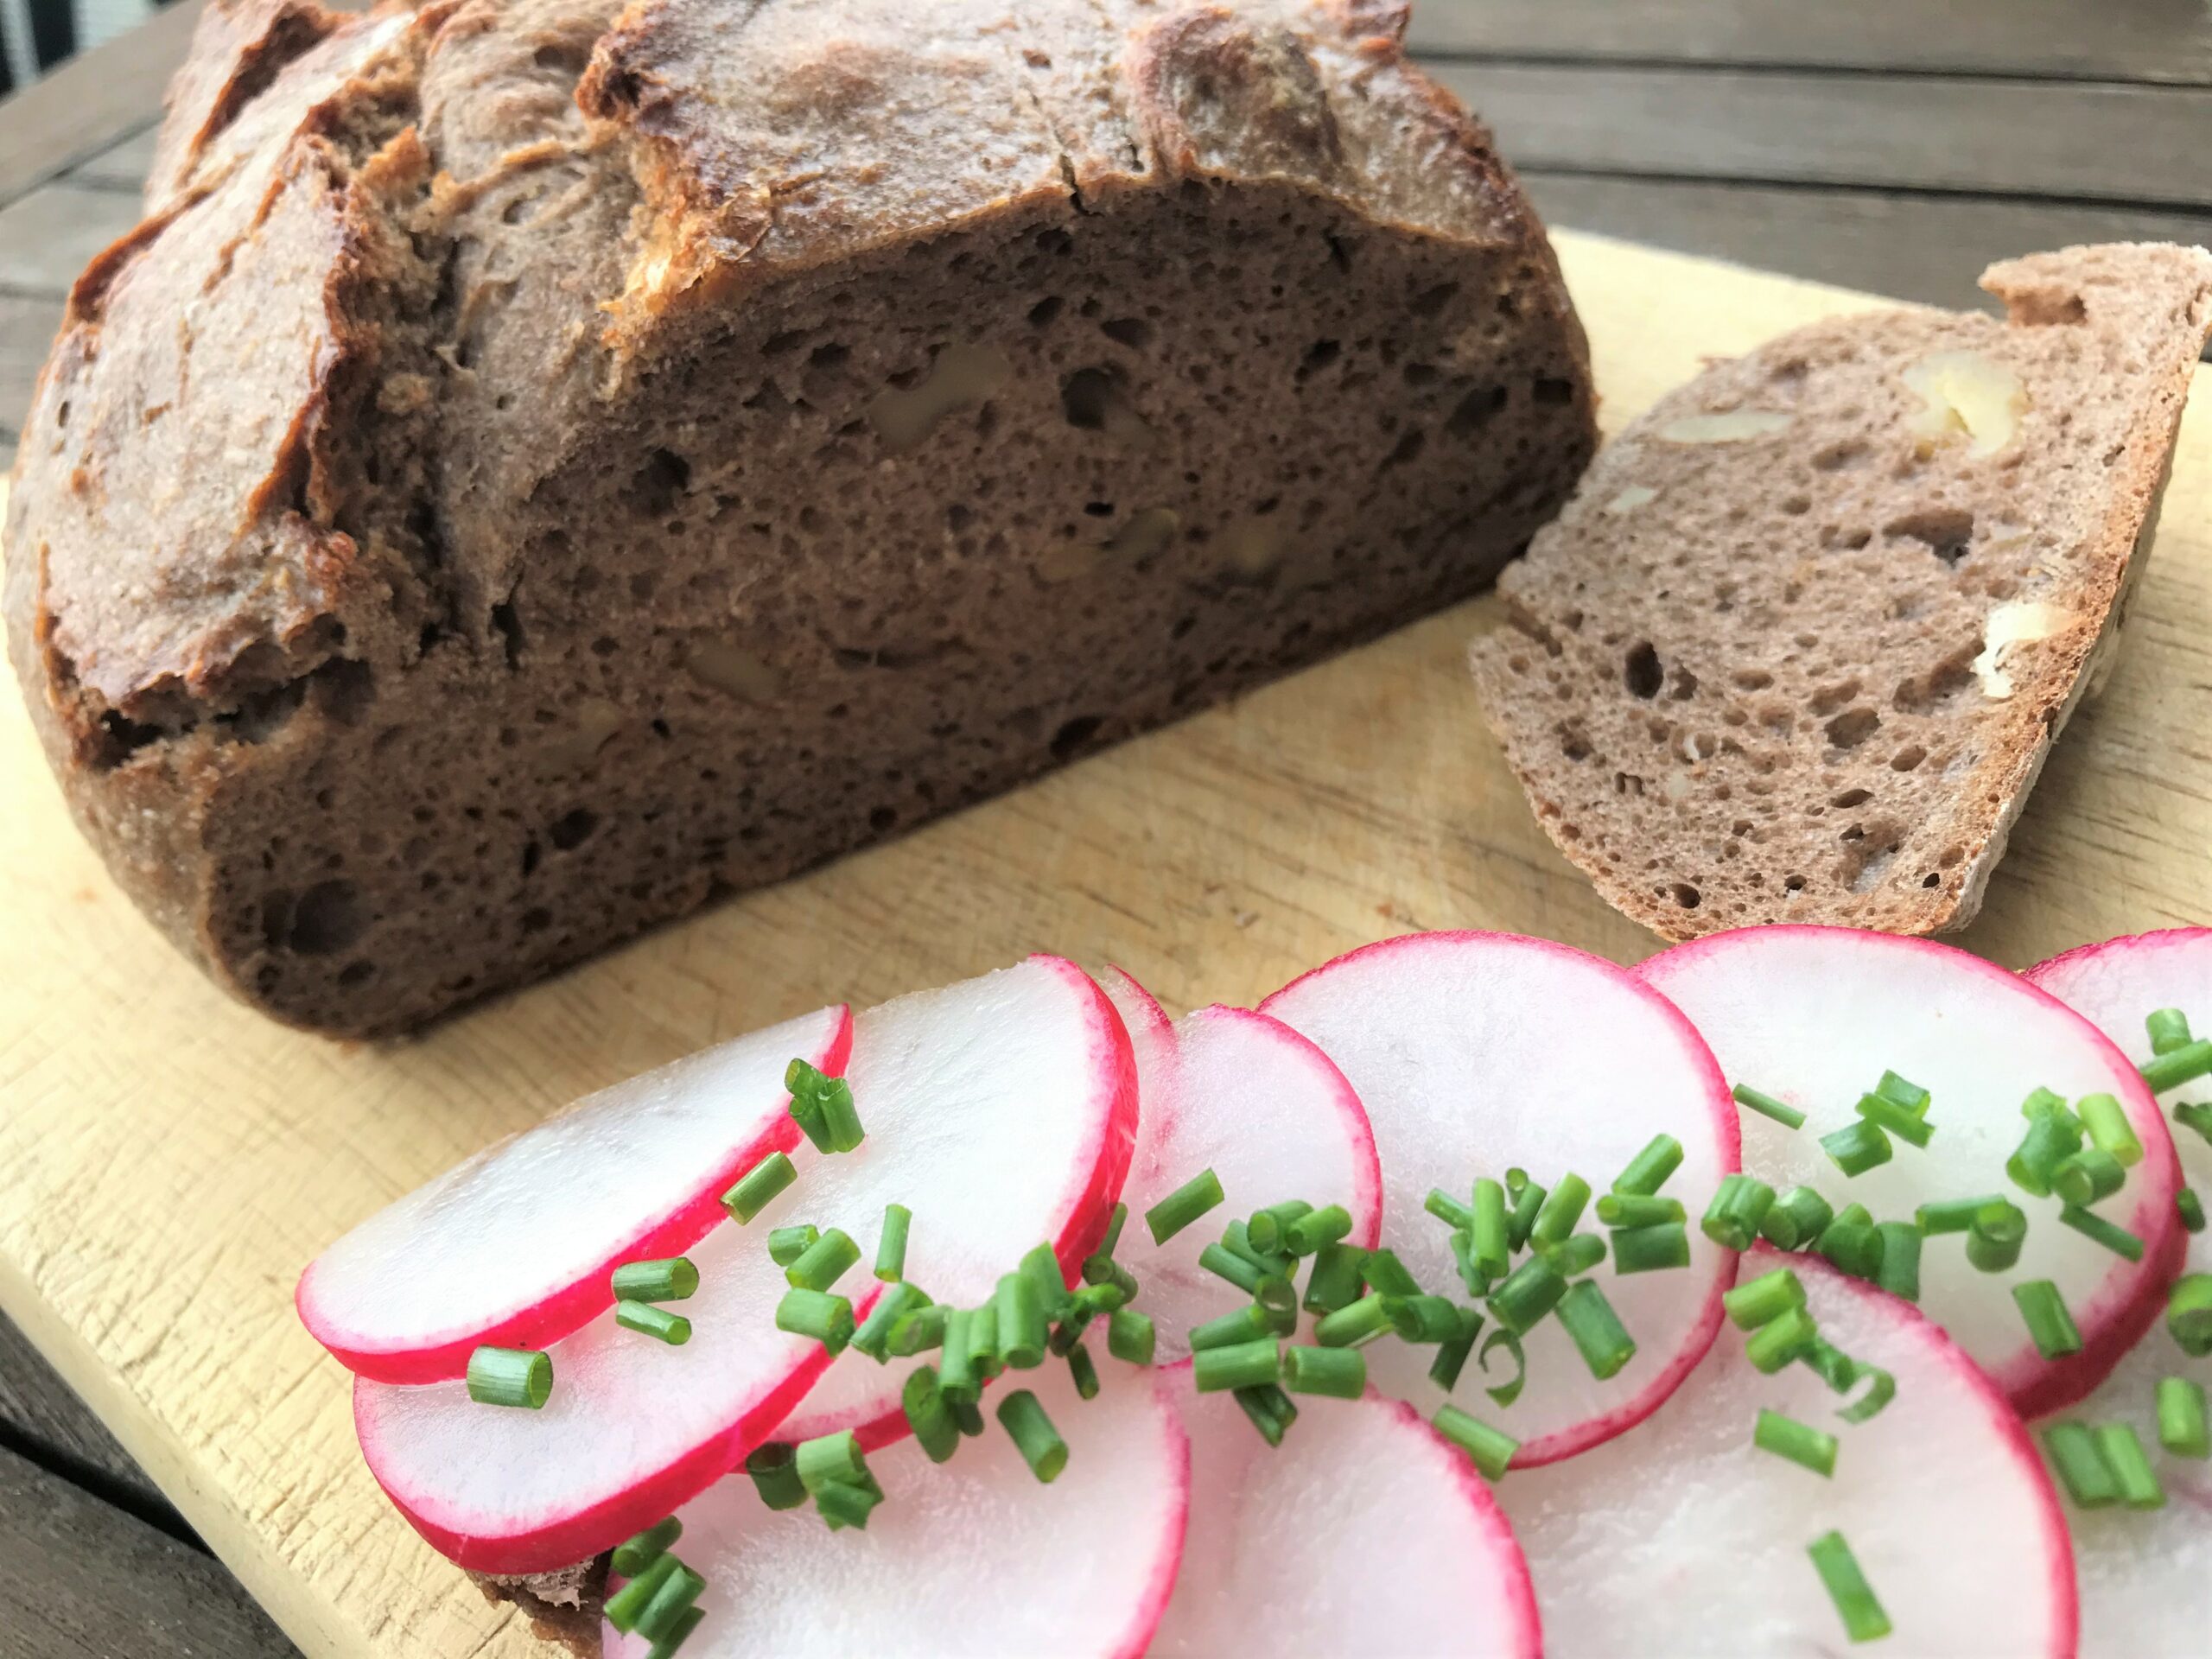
(515,1246)
(1685,1538)
(969,1558)
(1474,1053)
(1001,1111)
(1814,1015)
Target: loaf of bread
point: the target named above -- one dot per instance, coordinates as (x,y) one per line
(1800,645)
(538,466)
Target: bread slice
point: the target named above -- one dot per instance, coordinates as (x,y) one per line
(1798,649)
(541,464)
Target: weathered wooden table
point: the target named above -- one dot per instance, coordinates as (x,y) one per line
(1891,145)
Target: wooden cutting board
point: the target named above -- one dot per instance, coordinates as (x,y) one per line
(168,1160)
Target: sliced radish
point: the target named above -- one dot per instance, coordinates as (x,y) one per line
(1000,1111)
(514,1248)
(1363,1533)
(1474,1052)
(1684,1538)
(1245,1096)
(973,1557)
(2146,1575)
(1813,1015)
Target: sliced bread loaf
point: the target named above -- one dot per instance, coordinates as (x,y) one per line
(1798,649)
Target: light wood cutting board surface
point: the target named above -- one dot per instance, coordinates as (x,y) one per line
(168,1162)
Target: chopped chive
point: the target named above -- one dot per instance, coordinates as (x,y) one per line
(1899,1271)
(1799,1217)
(1022,1328)
(967,1416)
(2113,1238)
(1856,1148)
(2197,1115)
(1269,1410)
(1526,1294)
(916,1331)
(1646,1249)
(1239,1365)
(1632,1210)
(1803,1445)
(1224,1263)
(1772,1294)
(1953,1215)
(511,1377)
(2048,1142)
(2188,1313)
(671,1603)
(928,1415)
(656,1322)
(1767,1106)
(1311,1232)
(2046,1103)
(672,1643)
(1490,1449)
(829,1458)
(1246,1323)
(1340,1373)
(774,1469)
(2130,1468)
(2177,1066)
(1354,1323)
(2168,1029)
(1562,1209)
(787,1244)
(1993,1241)
(1384,1274)
(1862,1615)
(1575,1256)
(1884,1389)
(1114,1221)
(1130,1336)
(1851,1243)
(1786,1336)
(1447,1209)
(845,1505)
(890,1247)
(1528,1204)
(816,1314)
(1893,1119)
(1473,1278)
(1648,1171)
(1489,1231)
(1423,1318)
(823,1107)
(1598,1336)
(897,1300)
(2081,1465)
(2191,1208)
(2090,1175)
(1903,1092)
(2106,1120)
(1183,1206)
(1042,1266)
(640,1550)
(1236,1239)
(824,1261)
(840,1115)
(1278,1300)
(1334,1280)
(1084,1373)
(1732,1220)
(1505,1393)
(1100,1272)
(623,1607)
(1033,1435)
(983,1340)
(671,1280)
(2044,1312)
(1269,1229)
(1452,1357)
(757,1185)
(2184,1428)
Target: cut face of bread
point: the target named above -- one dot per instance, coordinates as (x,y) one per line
(1798,649)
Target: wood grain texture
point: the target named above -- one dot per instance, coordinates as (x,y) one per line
(27,326)
(50,235)
(169,1160)
(41,1418)
(88,103)
(122,167)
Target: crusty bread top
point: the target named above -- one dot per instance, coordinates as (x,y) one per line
(1802,662)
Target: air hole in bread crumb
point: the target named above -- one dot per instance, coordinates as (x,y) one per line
(1429,302)
(1931,879)
(1907,758)
(1475,411)
(1046,310)
(1852,797)
(882,818)
(1797,505)
(1947,531)
(1828,699)
(1573,741)
(1406,448)
(1793,884)
(1853,727)
(1642,672)
(536,920)
(532,852)
(356,973)
(1073,734)
(1686,895)
(1553,394)
(572,829)
(1319,356)
(1751,679)
(663,476)
(328,919)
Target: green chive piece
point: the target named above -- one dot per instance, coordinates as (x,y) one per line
(832,1109)
(873,1337)
(2188,1313)
(891,1246)
(1224,1263)
(1562,1209)
(1574,1256)
(671,1604)
(2191,1208)
(1100,1272)
(669,1280)
(1799,1217)
(623,1607)
(1633,1209)
(2168,1029)
(640,1550)
(1023,1329)
(1334,1280)
(967,1416)
(1269,1229)
(1277,1298)
(656,1322)
(928,1414)
(1489,1232)
(1452,1357)
(2131,1467)
(1526,1294)
(1490,1449)
(669,1645)
(824,1261)
(1183,1205)
(2050,1142)
(1237,1240)
(1423,1318)
(1856,1148)
(2197,1115)
(2048,1323)
(983,1340)
(2176,1067)
(2113,1238)
(1884,1389)
(1505,1393)
(2106,1120)
(1647,1250)
(1115,1223)
(1802,1443)
(2046,1103)
(1340,1373)
(829,1458)
(1317,1228)
(2184,1426)
(1085,1373)
(1598,1336)
(1386,1275)
(2081,1465)
(1246,1323)
(1851,1243)
(1953,1215)
(1042,1266)
(916,1331)
(845,1505)
(1768,1296)
(1269,1410)
(1899,1271)
(1893,1119)
(1732,1220)
(757,1185)
(1447,1209)
(816,1314)
(1862,1615)
(1788,1336)
(1902,1092)
(1993,1241)
(511,1377)
(1767,1106)
(1648,1171)
(787,1244)
(774,1469)
(2090,1175)
(1038,1442)
(1355,1322)
(1528,1204)
(1130,1336)
(1473,1278)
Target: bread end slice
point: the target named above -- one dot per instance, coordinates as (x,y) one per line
(1799,646)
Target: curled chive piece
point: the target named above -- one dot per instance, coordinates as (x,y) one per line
(2090,1175)
(1953,1215)
(1042,1268)
(1269,1229)
(640,1550)
(2105,1121)
(2176,1067)
(2074,1454)
(511,1377)
(1269,1410)
(1648,1249)
(1887,1115)
(1855,1604)
(2184,1428)
(928,1415)
(1246,1323)
(1851,1242)
(1903,1093)
(1033,1435)
(1740,1203)
(2168,1029)
(1786,1336)
(2046,1103)
(1798,1218)
(1767,1106)
(824,1261)
(1490,1449)
(1317,1228)
(623,1607)
(1022,1329)
(1386,1275)
(1334,1280)
(1883,1389)
(1648,1171)
(1768,1296)
(1803,1445)
(829,1458)
(656,1322)
(1103,1272)
(1575,1256)
(2130,1468)
(1856,1148)
(891,1246)
(2113,1238)
(1447,1209)
(1993,1241)
(1505,1393)
(1183,1205)
(1598,1336)
(1236,1239)
(1354,1323)
(671,1280)
(2191,1208)
(2048,1323)
(873,1337)
(1526,1294)
(2197,1115)
(1527,1204)
(1115,1223)
(816,1314)
(967,1416)
(916,1331)
(1489,1231)
(774,1470)
(1634,1210)
(1085,1373)
(1130,1336)
(1224,1263)
(787,1244)
(671,1603)
(1340,1373)
(847,1505)
(1899,1269)
(2050,1142)
(1452,1357)
(1423,1318)
(2188,1313)
(1831,1364)
(1562,1209)
(757,1185)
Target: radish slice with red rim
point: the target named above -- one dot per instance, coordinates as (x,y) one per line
(515,1248)
(1685,1538)
(1813,1015)
(972,1557)
(1364,1532)
(1474,1053)
(1000,1111)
